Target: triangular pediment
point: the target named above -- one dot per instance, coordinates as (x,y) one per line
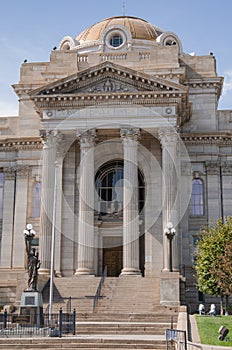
(107,78)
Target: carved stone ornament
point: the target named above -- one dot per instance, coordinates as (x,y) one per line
(22,171)
(9,173)
(109,85)
(86,137)
(212,167)
(226,168)
(130,134)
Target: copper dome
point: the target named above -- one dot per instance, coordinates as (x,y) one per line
(139,29)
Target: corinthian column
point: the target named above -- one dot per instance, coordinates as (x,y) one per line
(170,169)
(49,139)
(130,203)
(86,204)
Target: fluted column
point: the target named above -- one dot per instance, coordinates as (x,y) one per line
(130,139)
(60,152)
(20,217)
(86,204)
(8,217)
(47,195)
(170,170)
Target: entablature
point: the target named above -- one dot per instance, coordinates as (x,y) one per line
(216,138)
(206,83)
(113,85)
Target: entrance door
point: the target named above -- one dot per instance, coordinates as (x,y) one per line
(113,259)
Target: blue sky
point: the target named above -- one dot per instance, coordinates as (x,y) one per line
(30,29)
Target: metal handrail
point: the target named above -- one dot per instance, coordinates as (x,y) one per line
(99,288)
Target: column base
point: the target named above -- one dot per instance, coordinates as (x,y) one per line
(83,271)
(130,271)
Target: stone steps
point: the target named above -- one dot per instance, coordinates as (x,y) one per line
(121,328)
(166,317)
(132,293)
(81,289)
(83,343)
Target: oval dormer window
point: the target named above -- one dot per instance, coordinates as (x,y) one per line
(116,40)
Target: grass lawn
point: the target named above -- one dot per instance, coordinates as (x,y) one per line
(208,327)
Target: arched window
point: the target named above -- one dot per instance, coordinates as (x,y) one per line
(197,198)
(109,189)
(36,200)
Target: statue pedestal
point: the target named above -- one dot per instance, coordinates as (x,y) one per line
(32,305)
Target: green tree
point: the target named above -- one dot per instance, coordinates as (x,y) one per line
(214,260)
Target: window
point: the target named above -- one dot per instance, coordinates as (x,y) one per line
(201,297)
(116,40)
(109,189)
(197,198)
(36,200)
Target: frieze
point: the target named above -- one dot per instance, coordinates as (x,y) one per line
(74,102)
(207,139)
(9,145)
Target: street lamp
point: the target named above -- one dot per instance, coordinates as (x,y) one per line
(29,234)
(170,233)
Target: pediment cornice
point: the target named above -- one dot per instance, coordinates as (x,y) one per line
(107,77)
(111,84)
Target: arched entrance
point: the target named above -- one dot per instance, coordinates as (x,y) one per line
(109,211)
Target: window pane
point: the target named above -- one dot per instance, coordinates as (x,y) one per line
(197,198)
(109,188)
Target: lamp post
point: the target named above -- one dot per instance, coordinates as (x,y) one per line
(170,233)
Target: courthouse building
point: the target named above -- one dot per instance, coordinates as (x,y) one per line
(120,154)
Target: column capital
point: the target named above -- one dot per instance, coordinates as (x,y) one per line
(9,173)
(167,136)
(22,171)
(212,167)
(130,134)
(86,137)
(50,138)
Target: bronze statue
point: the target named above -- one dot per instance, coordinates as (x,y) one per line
(33,262)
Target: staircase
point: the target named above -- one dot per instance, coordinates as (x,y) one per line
(128,315)
(131,294)
(70,293)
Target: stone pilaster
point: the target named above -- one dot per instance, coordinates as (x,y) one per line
(47,196)
(170,168)
(20,217)
(130,139)
(8,218)
(86,204)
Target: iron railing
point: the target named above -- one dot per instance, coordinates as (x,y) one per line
(54,325)
(98,292)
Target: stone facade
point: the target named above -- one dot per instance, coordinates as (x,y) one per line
(111,133)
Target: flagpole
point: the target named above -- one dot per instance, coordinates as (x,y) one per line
(52,246)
